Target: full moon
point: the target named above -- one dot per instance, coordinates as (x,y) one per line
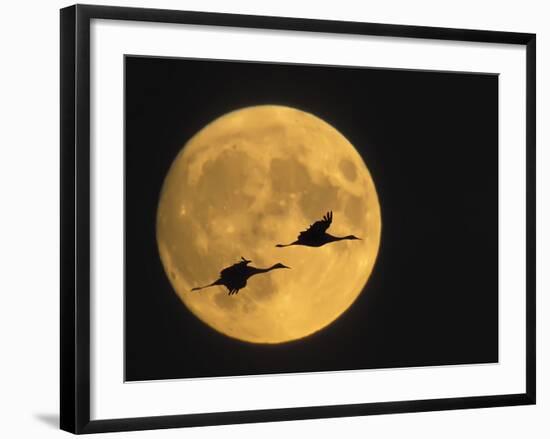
(249,180)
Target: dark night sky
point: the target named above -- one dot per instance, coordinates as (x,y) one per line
(430,141)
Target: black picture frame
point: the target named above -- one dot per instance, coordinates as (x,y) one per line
(75,217)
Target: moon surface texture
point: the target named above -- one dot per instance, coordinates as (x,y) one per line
(253,178)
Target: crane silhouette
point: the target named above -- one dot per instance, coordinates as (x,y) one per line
(316,235)
(234,278)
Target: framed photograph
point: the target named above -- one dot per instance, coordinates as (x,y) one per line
(267,218)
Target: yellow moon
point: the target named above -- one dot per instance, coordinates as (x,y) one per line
(253,178)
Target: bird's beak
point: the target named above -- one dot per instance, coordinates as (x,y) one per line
(286,267)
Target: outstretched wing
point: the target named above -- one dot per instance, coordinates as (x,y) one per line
(234,270)
(318,227)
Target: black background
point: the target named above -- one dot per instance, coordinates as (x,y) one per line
(430,140)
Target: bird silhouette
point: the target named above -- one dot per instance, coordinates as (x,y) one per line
(234,278)
(316,235)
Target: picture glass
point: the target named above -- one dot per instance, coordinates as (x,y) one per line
(290,218)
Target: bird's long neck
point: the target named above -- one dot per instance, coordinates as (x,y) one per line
(256,270)
(340,238)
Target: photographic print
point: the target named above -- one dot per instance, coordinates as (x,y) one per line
(306,218)
(292,218)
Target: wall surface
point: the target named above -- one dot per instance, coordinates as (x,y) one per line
(29,249)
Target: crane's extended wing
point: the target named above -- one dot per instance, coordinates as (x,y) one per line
(318,227)
(235,269)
